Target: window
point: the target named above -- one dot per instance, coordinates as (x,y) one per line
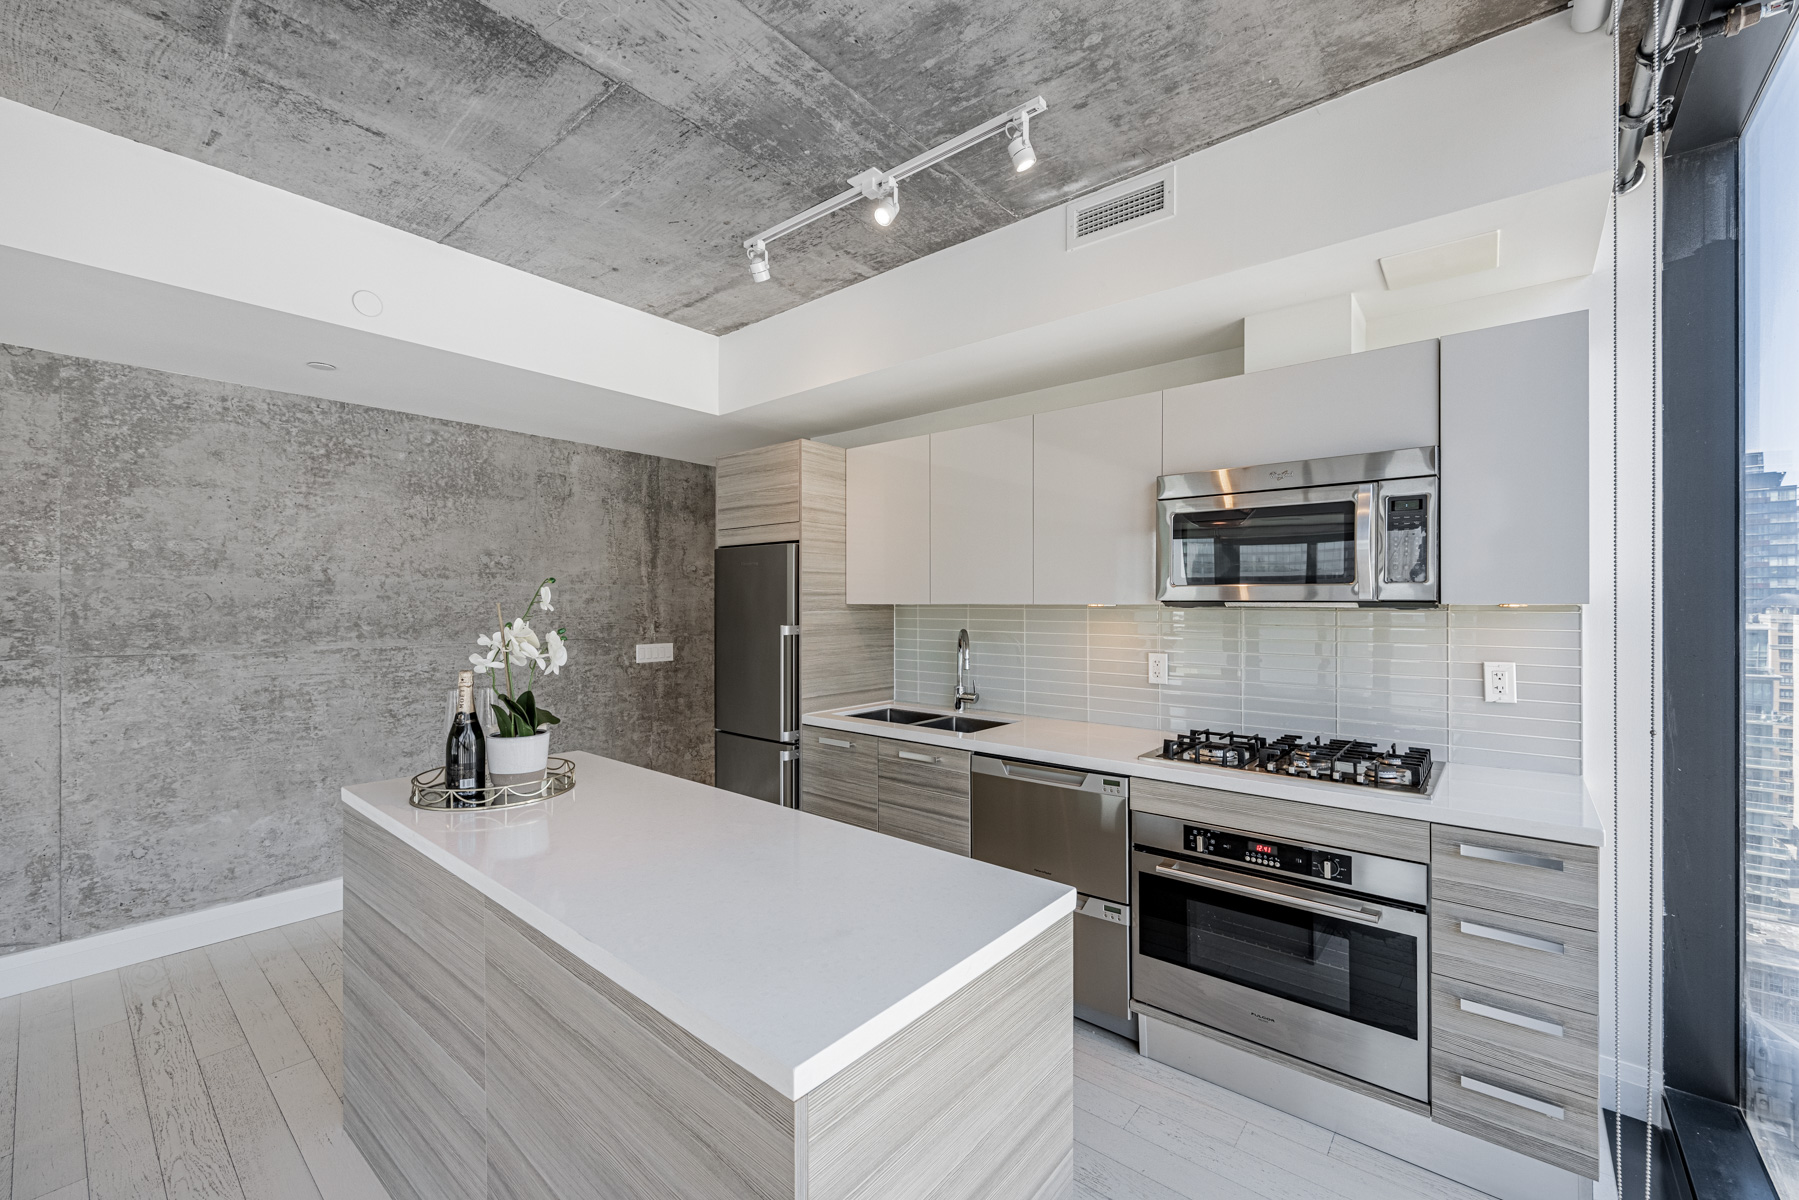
(1770,590)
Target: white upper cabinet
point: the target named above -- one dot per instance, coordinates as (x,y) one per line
(1353,404)
(1095,535)
(981,514)
(1514,464)
(887,554)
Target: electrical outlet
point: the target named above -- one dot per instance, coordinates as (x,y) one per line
(655,652)
(1501,681)
(1158,668)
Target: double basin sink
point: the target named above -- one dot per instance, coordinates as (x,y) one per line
(925,720)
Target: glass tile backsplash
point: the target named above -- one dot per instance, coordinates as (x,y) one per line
(1411,675)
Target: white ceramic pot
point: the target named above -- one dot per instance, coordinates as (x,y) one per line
(517,761)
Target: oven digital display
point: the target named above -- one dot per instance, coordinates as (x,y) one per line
(1296,860)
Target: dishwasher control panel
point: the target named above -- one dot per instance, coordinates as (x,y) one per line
(1278,856)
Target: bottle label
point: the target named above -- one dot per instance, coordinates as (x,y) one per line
(467,781)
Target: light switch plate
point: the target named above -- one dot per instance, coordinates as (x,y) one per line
(1501,682)
(1158,668)
(655,652)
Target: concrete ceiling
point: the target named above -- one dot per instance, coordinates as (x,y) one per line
(626,147)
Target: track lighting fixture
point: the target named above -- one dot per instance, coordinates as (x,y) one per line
(887,207)
(882,187)
(1018,144)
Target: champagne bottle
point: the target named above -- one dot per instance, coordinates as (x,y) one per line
(465,753)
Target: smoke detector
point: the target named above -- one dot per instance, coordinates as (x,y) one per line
(1121,208)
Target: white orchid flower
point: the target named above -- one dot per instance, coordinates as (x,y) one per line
(557,654)
(521,644)
(543,598)
(483,665)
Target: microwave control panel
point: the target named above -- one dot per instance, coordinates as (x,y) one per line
(1294,860)
(1408,539)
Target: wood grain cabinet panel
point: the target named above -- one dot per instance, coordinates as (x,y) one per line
(1548,881)
(925,795)
(1552,1124)
(1338,828)
(838,776)
(1516,1034)
(758,495)
(1558,964)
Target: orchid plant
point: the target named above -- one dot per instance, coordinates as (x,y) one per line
(517,645)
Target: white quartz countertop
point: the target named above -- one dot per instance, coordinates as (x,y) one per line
(790,943)
(1536,804)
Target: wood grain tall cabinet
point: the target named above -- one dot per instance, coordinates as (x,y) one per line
(794,492)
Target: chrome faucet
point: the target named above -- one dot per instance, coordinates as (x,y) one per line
(965,693)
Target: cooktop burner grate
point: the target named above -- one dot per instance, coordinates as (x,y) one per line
(1339,760)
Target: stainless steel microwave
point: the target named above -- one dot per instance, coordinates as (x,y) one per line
(1356,529)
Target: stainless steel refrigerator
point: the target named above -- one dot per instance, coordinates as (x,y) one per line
(756,682)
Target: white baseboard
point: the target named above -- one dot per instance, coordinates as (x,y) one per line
(46,965)
(1635,1098)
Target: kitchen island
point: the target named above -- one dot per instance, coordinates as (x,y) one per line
(649,987)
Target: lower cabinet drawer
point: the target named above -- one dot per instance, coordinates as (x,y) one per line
(926,815)
(1517,1035)
(925,766)
(925,794)
(838,774)
(1558,964)
(1551,1124)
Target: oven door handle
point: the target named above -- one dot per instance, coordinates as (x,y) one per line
(1348,912)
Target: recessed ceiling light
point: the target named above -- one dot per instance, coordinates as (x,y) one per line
(366,303)
(322,366)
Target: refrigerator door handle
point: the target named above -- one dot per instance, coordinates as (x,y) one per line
(790,778)
(790,701)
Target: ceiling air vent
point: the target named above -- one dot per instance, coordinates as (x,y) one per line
(1121,207)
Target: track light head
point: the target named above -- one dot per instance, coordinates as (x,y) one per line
(887,207)
(1018,145)
(758,252)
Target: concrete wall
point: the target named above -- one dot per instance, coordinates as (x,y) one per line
(219,604)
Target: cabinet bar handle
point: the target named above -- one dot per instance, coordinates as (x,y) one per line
(1516,939)
(1516,857)
(837,742)
(1552,1111)
(1511,1018)
(907,754)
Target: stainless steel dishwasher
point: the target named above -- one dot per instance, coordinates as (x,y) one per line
(1072,827)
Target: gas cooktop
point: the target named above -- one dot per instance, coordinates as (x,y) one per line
(1339,760)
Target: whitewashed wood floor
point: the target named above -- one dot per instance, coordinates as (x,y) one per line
(219,1073)
(1143,1131)
(214,1073)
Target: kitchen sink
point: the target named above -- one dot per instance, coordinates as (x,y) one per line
(895,716)
(962,724)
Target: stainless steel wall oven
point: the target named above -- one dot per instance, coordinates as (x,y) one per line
(1316,952)
(1358,529)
